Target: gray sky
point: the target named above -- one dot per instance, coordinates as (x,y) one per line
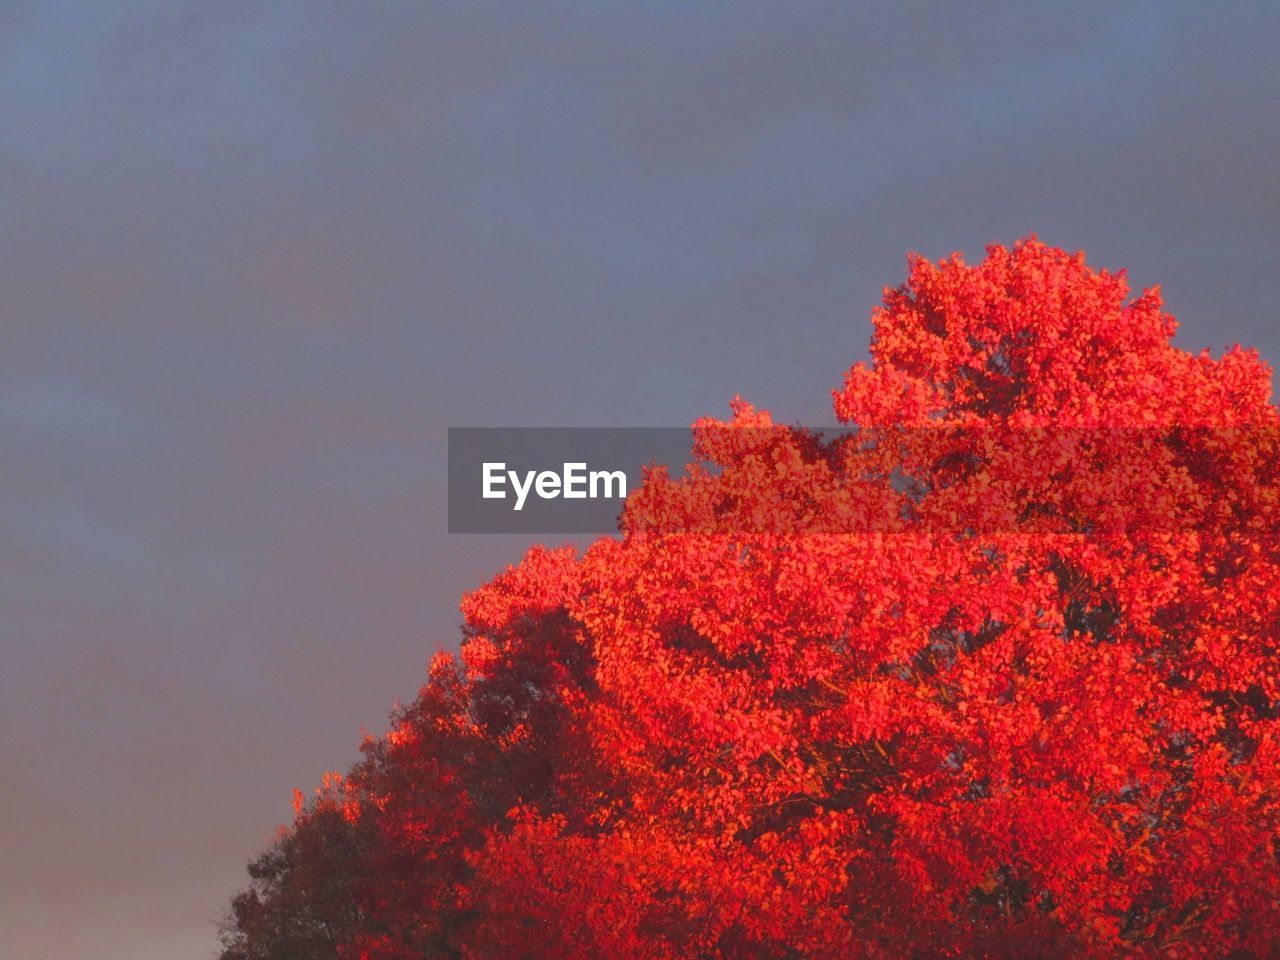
(256,259)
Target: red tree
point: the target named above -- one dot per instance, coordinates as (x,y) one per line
(994,676)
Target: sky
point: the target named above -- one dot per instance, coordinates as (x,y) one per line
(256,258)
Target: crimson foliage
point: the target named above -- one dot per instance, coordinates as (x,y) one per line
(994,677)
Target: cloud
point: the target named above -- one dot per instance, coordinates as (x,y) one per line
(258,259)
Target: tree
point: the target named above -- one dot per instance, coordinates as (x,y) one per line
(992,676)
(301,901)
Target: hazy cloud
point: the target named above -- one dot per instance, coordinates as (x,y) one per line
(258,257)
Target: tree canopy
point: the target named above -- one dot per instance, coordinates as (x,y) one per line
(992,676)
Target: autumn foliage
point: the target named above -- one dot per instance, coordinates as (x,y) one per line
(995,676)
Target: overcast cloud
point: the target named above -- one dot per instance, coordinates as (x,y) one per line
(256,259)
